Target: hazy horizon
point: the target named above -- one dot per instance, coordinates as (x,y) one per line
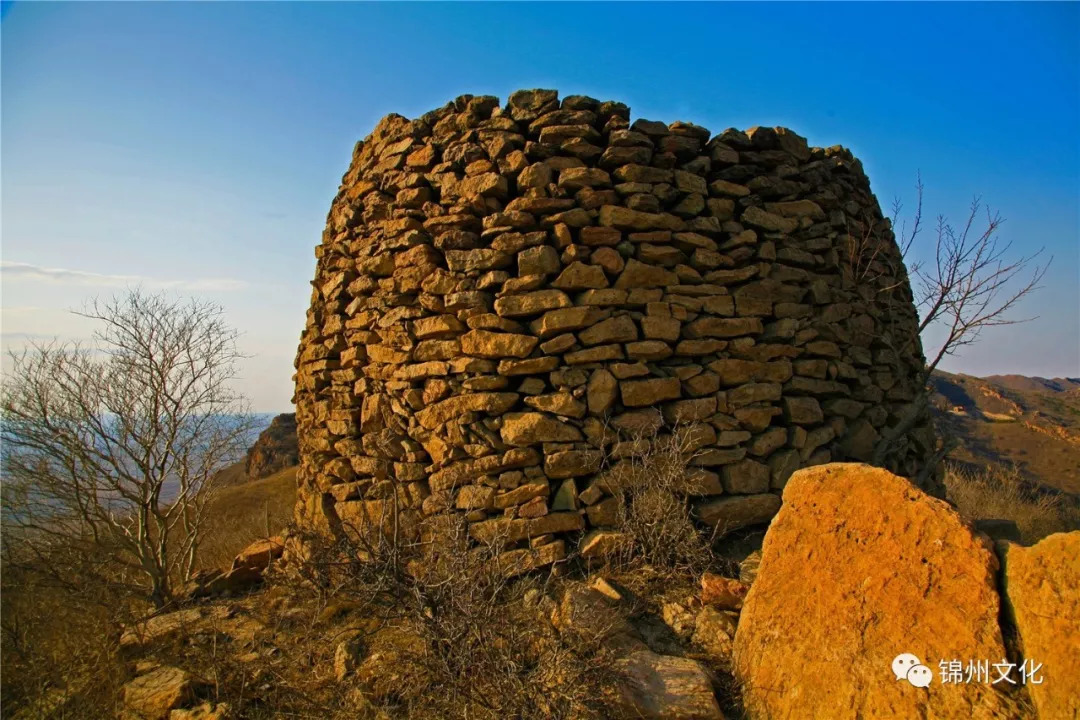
(196,147)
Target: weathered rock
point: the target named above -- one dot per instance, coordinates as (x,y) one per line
(154,694)
(275,449)
(893,571)
(586,614)
(572,463)
(613,330)
(260,553)
(503,530)
(728,514)
(482,343)
(1042,595)
(756,217)
(347,656)
(533,427)
(627,219)
(234,581)
(746,477)
(748,568)
(714,630)
(558,404)
(637,274)
(678,619)
(533,303)
(710,327)
(579,276)
(721,592)
(495,403)
(802,410)
(665,688)
(467,470)
(602,391)
(602,544)
(564,320)
(523,560)
(159,628)
(639,393)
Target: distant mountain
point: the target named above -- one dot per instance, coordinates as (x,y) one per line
(274,449)
(1030,422)
(1022,383)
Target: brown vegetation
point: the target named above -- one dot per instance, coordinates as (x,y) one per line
(239,515)
(1001,493)
(1042,442)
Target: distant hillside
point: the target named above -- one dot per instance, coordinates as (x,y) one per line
(275,449)
(1030,422)
(1022,383)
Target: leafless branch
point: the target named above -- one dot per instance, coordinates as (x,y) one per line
(113,447)
(975,281)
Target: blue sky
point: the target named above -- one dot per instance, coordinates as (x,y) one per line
(197,146)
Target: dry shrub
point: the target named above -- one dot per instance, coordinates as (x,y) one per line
(1002,493)
(653,482)
(59,643)
(483,641)
(455,630)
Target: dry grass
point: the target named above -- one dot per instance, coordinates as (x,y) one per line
(1002,493)
(59,646)
(240,514)
(447,629)
(60,611)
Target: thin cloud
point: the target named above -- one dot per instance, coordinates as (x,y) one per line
(64,276)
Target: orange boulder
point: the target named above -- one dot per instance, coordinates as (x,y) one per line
(1042,592)
(858,567)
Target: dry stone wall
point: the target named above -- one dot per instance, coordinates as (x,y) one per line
(507,297)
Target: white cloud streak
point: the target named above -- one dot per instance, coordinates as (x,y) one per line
(64,276)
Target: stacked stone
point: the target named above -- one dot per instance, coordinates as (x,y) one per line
(508,299)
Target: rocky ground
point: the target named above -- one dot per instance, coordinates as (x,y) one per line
(907,574)
(858,568)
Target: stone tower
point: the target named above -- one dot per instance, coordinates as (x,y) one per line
(505,296)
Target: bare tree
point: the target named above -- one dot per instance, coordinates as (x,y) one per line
(110,450)
(973,282)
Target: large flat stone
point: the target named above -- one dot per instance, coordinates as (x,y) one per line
(641,393)
(435,415)
(503,530)
(487,344)
(530,428)
(728,514)
(665,687)
(532,303)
